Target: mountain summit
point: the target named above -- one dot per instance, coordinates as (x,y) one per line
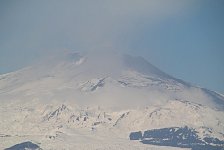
(101,78)
(105,100)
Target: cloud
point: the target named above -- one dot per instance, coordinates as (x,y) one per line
(83,23)
(31,28)
(109,22)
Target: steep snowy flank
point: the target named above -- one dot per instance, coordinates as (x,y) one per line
(49,124)
(72,77)
(75,101)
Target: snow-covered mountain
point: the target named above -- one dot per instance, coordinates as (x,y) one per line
(98,100)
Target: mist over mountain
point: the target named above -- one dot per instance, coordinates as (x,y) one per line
(111,75)
(71,95)
(102,78)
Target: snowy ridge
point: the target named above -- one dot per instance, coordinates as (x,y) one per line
(70,99)
(63,120)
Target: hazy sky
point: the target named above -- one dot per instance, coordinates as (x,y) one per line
(184,38)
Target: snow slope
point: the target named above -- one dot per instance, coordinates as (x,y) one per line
(95,101)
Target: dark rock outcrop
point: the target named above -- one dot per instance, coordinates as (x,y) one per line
(24,146)
(183,137)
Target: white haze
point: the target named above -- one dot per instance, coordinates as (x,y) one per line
(45,26)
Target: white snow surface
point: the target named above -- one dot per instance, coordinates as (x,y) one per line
(94,102)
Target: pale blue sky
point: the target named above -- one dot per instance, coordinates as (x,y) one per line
(184,38)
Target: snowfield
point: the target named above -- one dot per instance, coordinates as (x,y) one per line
(96,101)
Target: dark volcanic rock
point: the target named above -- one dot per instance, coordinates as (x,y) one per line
(24,146)
(136,135)
(183,137)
